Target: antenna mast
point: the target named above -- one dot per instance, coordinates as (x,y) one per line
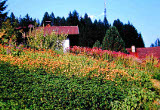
(105,9)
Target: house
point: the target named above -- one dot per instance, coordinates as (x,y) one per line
(71,31)
(143,52)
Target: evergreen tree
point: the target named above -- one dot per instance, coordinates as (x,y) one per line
(87,20)
(69,19)
(12,18)
(14,21)
(57,21)
(112,40)
(106,24)
(140,42)
(152,45)
(73,19)
(156,44)
(97,44)
(3,14)
(86,33)
(63,21)
(38,22)
(119,25)
(46,18)
(26,21)
(130,35)
(52,18)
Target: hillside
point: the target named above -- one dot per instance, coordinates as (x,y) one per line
(85,78)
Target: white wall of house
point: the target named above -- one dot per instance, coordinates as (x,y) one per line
(66,45)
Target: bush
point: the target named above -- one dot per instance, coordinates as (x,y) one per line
(97,44)
(38,39)
(23,89)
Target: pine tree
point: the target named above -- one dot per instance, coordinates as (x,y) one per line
(52,18)
(86,33)
(69,19)
(119,25)
(3,14)
(46,18)
(106,24)
(156,44)
(12,18)
(14,21)
(140,42)
(87,19)
(130,35)
(112,40)
(63,21)
(97,44)
(57,21)
(73,18)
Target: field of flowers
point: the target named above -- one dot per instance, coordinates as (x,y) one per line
(84,78)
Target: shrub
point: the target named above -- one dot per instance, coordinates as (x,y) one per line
(7,33)
(25,89)
(38,39)
(97,44)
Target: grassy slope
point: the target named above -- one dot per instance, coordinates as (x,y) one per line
(74,82)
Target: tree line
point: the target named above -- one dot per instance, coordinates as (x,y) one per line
(156,43)
(90,31)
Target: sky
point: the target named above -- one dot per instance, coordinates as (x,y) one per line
(143,14)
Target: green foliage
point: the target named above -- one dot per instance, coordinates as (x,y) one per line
(112,40)
(157,76)
(89,31)
(97,44)
(33,85)
(151,66)
(3,14)
(38,39)
(12,50)
(24,89)
(73,18)
(129,34)
(7,33)
(45,19)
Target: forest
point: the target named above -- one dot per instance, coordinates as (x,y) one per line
(90,31)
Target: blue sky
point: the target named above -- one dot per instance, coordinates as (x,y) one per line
(143,14)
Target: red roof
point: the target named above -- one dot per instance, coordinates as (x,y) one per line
(20,27)
(70,30)
(143,52)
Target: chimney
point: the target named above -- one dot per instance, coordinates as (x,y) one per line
(133,49)
(47,23)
